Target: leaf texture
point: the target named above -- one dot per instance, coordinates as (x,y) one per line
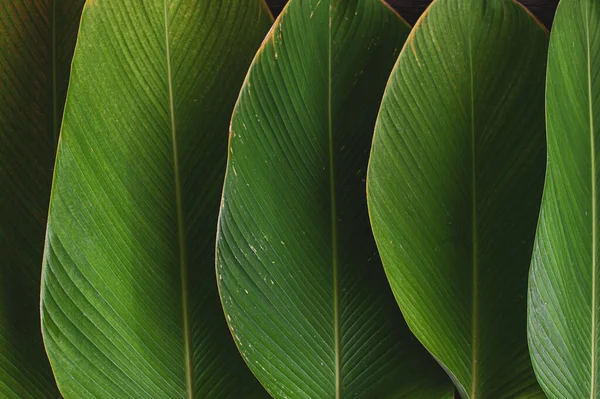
(37,39)
(563,297)
(454,188)
(300,279)
(130,307)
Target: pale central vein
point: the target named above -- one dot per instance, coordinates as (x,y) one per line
(334,239)
(594,224)
(475,288)
(180,224)
(55,116)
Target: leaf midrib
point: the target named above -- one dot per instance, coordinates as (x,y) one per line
(55,116)
(475,275)
(594,224)
(180,221)
(334,237)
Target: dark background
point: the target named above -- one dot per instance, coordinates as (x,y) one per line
(412,9)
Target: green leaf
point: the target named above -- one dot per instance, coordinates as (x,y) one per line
(454,188)
(130,307)
(37,39)
(563,298)
(301,282)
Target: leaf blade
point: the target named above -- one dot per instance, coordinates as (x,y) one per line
(38,38)
(299,278)
(562,296)
(450,137)
(130,241)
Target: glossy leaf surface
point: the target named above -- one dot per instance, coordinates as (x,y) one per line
(563,308)
(130,306)
(454,187)
(299,275)
(37,39)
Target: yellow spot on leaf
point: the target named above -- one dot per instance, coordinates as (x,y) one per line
(414,51)
(314,9)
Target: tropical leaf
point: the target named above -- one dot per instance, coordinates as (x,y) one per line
(37,39)
(563,307)
(299,275)
(454,188)
(130,307)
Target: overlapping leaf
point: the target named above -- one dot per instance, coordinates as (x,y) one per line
(129,300)
(564,304)
(299,275)
(37,39)
(455,182)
